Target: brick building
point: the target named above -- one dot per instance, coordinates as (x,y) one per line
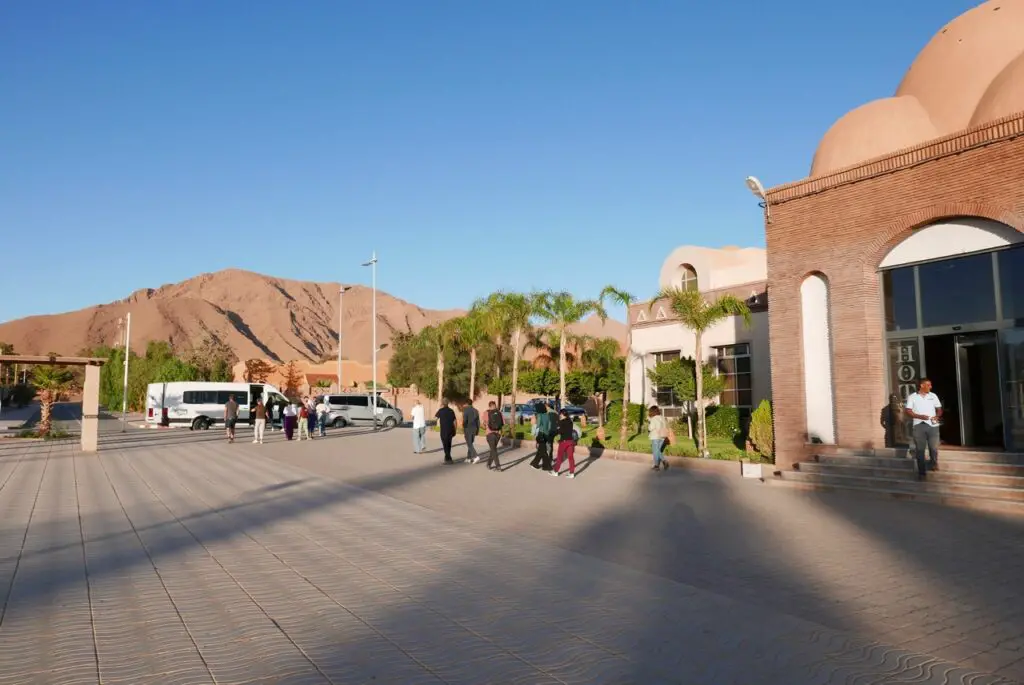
(902,254)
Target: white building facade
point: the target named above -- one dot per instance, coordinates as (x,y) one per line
(738,352)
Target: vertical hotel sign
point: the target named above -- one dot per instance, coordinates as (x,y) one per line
(904,366)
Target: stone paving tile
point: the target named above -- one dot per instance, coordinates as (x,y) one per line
(203,562)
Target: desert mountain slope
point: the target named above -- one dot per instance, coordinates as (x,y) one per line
(254,315)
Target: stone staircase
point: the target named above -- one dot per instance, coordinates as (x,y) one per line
(989,481)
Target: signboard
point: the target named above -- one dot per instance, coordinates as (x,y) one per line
(904,366)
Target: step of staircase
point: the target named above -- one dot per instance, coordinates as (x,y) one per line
(909,474)
(979,480)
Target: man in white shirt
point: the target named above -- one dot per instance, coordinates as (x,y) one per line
(321,416)
(419,429)
(925,409)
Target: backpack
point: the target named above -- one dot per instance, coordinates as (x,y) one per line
(494,420)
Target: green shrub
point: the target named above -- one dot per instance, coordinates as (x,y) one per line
(636,415)
(723,422)
(762,433)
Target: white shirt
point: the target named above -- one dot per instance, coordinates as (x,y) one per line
(925,405)
(321,408)
(418,419)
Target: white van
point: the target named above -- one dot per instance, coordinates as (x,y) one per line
(200,405)
(347,409)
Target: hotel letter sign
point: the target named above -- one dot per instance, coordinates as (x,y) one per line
(905,358)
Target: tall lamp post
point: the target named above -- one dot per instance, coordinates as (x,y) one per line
(373,279)
(124,388)
(341,320)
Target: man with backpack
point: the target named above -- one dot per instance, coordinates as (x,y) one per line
(545,433)
(495,422)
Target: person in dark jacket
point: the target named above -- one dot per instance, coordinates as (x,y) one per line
(446,423)
(566,444)
(470,428)
(545,432)
(495,422)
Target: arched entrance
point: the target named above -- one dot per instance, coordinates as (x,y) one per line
(953,300)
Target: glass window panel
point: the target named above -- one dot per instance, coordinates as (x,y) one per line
(900,303)
(957,291)
(743,380)
(743,365)
(1011,282)
(745,398)
(726,366)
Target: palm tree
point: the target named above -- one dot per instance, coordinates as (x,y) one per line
(441,338)
(486,311)
(508,316)
(600,357)
(698,314)
(623,298)
(561,310)
(473,332)
(548,344)
(51,382)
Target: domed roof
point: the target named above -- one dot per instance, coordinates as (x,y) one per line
(873,130)
(1004,96)
(941,93)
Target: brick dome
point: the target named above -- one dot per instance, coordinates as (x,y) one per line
(967,74)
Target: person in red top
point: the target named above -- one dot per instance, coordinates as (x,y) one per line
(566,444)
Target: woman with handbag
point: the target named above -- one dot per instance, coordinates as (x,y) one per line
(657,431)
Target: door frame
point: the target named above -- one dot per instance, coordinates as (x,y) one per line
(988,336)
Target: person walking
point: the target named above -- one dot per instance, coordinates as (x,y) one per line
(260,426)
(925,409)
(657,431)
(566,444)
(419,428)
(545,431)
(470,428)
(304,421)
(495,422)
(446,423)
(230,417)
(288,416)
(321,416)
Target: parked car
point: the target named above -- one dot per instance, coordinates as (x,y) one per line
(353,409)
(524,412)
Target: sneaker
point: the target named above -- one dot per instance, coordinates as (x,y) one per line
(571,475)
(664,465)
(476,460)
(554,473)
(535,467)
(255,441)
(656,467)
(261,442)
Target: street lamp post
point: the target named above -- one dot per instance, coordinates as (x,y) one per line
(124,389)
(341,320)
(373,279)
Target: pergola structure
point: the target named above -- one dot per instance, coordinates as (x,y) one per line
(90,392)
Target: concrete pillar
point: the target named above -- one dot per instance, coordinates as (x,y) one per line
(91,409)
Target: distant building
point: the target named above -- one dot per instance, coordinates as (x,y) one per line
(739,353)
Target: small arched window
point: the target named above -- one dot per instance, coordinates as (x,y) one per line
(689,277)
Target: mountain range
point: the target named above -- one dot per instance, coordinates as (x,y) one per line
(254,315)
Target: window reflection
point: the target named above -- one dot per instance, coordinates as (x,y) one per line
(957,291)
(1011,282)
(900,304)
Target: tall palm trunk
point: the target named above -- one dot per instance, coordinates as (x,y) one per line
(625,390)
(698,359)
(440,377)
(561,367)
(515,380)
(472,374)
(46,401)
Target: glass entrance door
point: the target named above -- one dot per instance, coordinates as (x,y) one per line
(981,406)
(1013,385)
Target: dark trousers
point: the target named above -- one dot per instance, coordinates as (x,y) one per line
(492,443)
(926,437)
(446,443)
(470,449)
(543,456)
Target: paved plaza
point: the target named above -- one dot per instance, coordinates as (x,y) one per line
(173,557)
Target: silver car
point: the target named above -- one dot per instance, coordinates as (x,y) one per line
(353,409)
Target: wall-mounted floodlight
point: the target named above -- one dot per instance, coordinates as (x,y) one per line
(757,188)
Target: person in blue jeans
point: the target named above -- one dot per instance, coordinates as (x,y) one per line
(657,431)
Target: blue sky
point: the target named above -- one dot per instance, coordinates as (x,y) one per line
(475,144)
